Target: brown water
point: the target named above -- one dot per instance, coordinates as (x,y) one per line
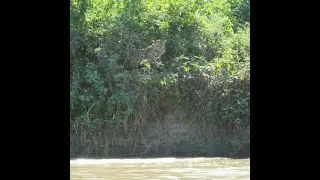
(161,168)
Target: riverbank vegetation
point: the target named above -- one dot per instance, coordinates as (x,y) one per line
(205,69)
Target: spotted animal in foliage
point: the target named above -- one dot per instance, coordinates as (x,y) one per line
(152,53)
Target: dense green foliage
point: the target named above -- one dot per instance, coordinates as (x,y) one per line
(206,65)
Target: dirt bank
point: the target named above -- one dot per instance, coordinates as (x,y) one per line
(171,135)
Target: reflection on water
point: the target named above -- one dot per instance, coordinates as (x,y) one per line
(161,168)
